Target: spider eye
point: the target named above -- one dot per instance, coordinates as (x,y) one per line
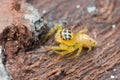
(66,34)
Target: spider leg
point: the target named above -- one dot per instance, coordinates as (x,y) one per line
(55,48)
(60,47)
(82,31)
(65,52)
(70,49)
(56,27)
(77,54)
(89,48)
(77,46)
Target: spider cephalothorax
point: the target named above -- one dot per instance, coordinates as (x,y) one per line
(66,34)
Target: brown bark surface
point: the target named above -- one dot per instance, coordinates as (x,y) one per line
(102,63)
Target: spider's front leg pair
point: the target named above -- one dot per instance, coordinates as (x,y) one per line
(60,47)
(67,49)
(56,27)
(72,49)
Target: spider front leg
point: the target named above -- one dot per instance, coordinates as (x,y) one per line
(56,27)
(69,50)
(60,47)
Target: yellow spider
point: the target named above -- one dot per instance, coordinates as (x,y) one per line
(70,42)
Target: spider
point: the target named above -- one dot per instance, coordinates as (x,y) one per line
(70,42)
